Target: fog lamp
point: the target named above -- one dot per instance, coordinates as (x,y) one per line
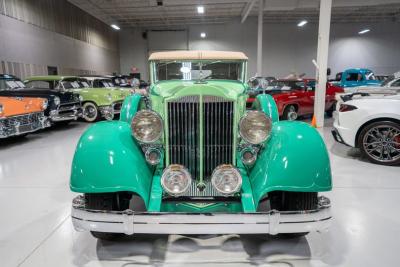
(248,156)
(153,156)
(176,180)
(226,179)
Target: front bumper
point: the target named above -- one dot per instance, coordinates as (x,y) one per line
(22,124)
(66,112)
(129,222)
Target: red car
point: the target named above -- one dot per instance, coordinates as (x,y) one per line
(295,98)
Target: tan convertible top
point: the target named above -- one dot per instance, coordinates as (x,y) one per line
(198,55)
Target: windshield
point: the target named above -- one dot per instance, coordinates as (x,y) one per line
(104,83)
(11,83)
(286,85)
(199,70)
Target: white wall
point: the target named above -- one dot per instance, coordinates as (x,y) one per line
(25,43)
(287,48)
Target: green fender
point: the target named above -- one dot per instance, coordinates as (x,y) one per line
(129,107)
(107,159)
(293,159)
(267,104)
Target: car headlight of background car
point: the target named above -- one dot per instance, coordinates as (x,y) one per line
(147,126)
(255,127)
(45,104)
(57,101)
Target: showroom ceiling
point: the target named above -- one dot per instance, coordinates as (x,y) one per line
(167,13)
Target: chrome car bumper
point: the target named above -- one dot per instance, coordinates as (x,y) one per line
(67,112)
(129,222)
(22,124)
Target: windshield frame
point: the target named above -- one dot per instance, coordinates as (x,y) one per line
(153,68)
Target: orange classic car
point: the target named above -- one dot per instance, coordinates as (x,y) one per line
(21,115)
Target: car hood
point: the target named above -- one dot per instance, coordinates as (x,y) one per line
(171,89)
(18,106)
(64,96)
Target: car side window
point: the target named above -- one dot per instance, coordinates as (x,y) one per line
(395,83)
(353,76)
(40,84)
(310,86)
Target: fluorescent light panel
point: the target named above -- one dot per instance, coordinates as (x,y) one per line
(364,31)
(200,9)
(302,23)
(116,27)
(203,35)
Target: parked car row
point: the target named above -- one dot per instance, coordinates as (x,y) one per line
(64,99)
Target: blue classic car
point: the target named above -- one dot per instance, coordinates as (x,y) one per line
(356,77)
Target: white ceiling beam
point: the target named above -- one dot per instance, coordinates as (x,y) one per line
(246,10)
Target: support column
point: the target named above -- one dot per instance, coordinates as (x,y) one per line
(322,60)
(260,37)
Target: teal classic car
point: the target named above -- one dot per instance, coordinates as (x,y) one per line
(96,102)
(193,160)
(351,78)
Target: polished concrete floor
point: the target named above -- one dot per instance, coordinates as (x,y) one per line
(35,228)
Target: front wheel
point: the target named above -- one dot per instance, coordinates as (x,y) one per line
(380,142)
(90,112)
(290,113)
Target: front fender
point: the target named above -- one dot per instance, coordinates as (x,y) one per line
(294,159)
(130,107)
(107,159)
(267,104)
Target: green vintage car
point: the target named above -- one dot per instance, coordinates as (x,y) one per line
(192,160)
(96,102)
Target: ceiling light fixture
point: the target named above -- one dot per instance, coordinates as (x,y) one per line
(302,23)
(203,35)
(200,9)
(115,27)
(364,31)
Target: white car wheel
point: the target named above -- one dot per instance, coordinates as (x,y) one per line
(90,112)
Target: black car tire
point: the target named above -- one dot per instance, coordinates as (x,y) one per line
(290,113)
(94,114)
(390,142)
(110,201)
(293,201)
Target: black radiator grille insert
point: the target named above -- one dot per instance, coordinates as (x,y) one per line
(183,133)
(218,133)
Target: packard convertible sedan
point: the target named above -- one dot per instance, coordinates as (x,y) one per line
(192,160)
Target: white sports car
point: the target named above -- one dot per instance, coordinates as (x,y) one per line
(371,123)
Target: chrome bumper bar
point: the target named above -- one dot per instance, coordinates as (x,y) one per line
(129,222)
(57,117)
(18,129)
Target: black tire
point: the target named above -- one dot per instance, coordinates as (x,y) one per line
(291,201)
(330,111)
(90,112)
(116,202)
(379,142)
(290,113)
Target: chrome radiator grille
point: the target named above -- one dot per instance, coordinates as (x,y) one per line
(218,133)
(187,116)
(183,133)
(22,120)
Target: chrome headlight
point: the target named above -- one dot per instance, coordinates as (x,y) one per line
(226,179)
(255,127)
(57,101)
(80,98)
(147,126)
(176,180)
(45,104)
